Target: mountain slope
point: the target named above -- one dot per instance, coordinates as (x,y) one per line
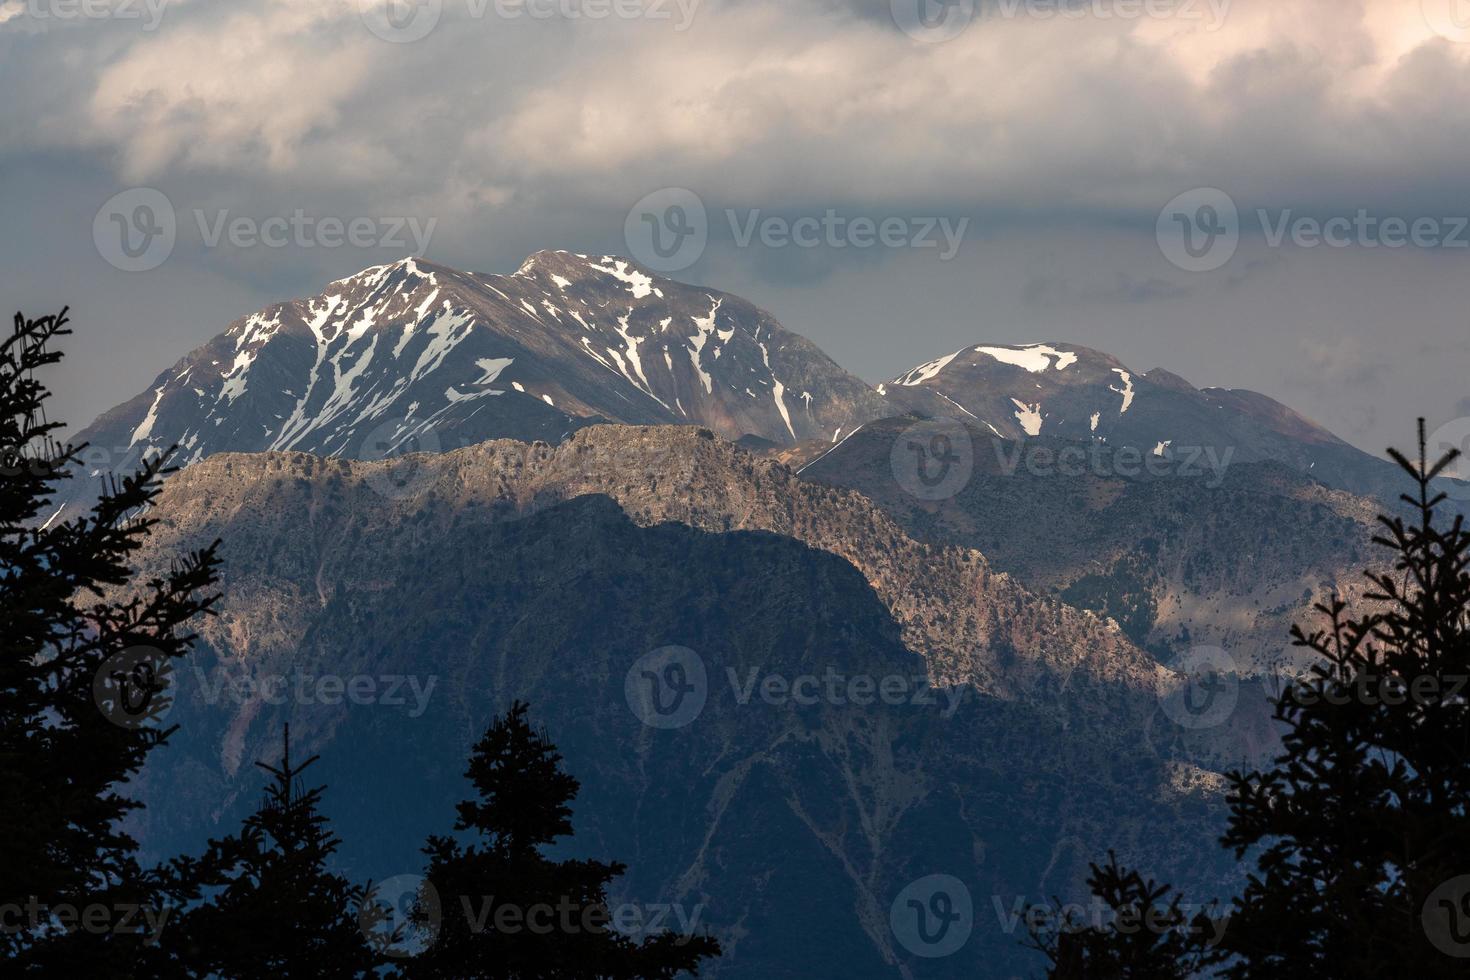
(1074,392)
(971,624)
(1181,553)
(506,570)
(415,355)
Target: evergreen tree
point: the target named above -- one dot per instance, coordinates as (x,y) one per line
(1360,830)
(1364,822)
(82,678)
(1135,931)
(505,910)
(280,912)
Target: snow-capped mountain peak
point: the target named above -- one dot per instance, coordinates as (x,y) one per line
(414,353)
(1074,392)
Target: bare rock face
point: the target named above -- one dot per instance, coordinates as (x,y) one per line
(1182,550)
(1028,738)
(953,608)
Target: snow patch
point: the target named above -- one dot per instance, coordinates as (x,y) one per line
(830,451)
(1032,357)
(778,391)
(234,378)
(445,334)
(1126,391)
(923,372)
(587,346)
(1029,416)
(145,427)
(639,284)
(705,326)
(258,330)
(641,382)
(490,368)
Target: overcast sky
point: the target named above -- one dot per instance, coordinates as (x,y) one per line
(1052,146)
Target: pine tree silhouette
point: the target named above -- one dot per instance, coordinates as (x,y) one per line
(1141,932)
(1365,818)
(1360,830)
(280,912)
(83,680)
(505,910)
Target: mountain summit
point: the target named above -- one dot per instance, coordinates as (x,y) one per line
(1073,392)
(417,355)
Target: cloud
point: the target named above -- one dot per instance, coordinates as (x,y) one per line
(1058,138)
(1119,288)
(242,94)
(781,104)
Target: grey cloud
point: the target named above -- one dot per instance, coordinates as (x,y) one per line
(1121,287)
(1059,140)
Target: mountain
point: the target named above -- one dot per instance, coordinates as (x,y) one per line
(1074,392)
(416,355)
(461,581)
(773,516)
(413,356)
(1180,551)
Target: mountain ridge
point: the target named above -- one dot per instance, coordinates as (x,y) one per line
(686,474)
(1075,392)
(1180,553)
(525,570)
(416,355)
